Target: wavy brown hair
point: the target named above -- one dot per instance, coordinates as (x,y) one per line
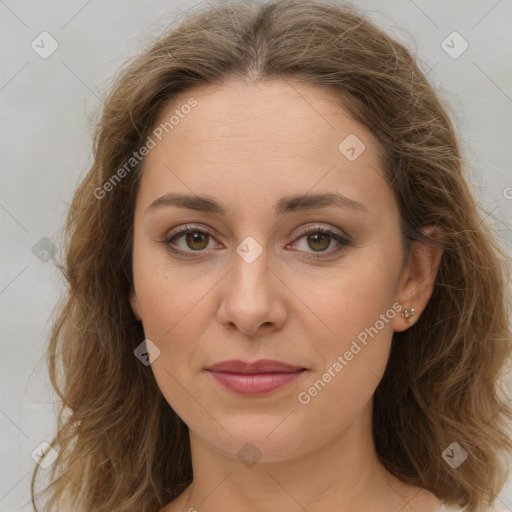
(121,447)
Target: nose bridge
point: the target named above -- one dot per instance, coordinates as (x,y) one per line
(249,297)
(250,272)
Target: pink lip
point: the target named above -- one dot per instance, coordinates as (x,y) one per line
(257,378)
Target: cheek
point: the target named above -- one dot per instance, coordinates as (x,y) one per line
(355,306)
(352,361)
(168,291)
(347,300)
(174,310)
(175,313)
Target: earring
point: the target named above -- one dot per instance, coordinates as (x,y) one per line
(408,312)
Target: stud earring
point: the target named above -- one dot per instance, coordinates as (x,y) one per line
(408,312)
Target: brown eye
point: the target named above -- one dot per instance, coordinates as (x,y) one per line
(319,241)
(196,240)
(188,239)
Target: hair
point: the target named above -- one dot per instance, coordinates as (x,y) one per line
(120,446)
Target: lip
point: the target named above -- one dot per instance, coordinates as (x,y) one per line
(256,378)
(260,366)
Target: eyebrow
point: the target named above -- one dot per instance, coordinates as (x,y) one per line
(284,205)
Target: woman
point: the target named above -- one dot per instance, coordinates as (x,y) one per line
(282,294)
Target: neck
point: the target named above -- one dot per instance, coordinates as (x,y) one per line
(343,474)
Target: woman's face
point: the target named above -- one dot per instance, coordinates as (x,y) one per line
(255,278)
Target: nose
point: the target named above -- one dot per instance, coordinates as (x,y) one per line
(252,298)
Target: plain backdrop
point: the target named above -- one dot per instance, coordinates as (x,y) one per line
(45,148)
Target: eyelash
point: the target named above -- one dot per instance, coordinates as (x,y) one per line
(186,229)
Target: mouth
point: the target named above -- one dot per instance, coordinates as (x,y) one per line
(256,378)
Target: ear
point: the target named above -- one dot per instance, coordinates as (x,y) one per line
(417,279)
(134,303)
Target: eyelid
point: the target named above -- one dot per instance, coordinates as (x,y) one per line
(184,228)
(310,228)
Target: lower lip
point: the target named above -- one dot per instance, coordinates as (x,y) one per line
(255,384)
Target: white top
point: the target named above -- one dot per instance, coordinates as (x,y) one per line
(450,508)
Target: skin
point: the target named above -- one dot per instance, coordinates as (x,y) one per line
(247,146)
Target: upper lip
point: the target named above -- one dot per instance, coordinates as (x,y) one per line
(260,366)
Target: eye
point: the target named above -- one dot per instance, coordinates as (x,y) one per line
(192,238)
(189,239)
(319,239)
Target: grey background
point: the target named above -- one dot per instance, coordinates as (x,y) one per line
(45,148)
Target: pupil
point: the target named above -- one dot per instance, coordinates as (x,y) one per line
(318,237)
(193,238)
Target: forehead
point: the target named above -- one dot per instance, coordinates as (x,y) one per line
(261,110)
(269,137)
